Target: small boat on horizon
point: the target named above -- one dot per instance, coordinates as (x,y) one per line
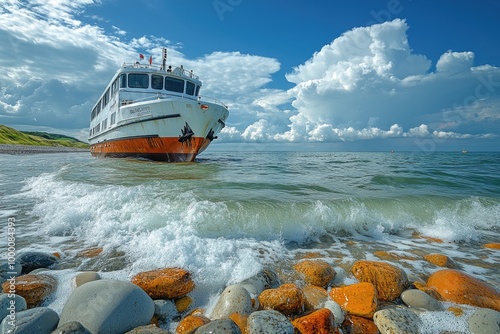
(154,112)
(464,151)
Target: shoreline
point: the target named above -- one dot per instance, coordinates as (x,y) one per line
(29,149)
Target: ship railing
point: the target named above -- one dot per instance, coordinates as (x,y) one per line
(179,71)
(160,96)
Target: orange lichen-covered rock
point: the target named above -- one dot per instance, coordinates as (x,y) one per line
(287,299)
(240,320)
(165,283)
(315,272)
(441,260)
(34,288)
(359,325)
(458,287)
(318,322)
(183,303)
(389,280)
(191,323)
(91,252)
(495,245)
(314,296)
(357,299)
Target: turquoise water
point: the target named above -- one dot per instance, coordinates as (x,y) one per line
(229,214)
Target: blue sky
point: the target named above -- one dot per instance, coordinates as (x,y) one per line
(326,75)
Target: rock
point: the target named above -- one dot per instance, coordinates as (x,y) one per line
(84,277)
(428,290)
(315,272)
(265,279)
(241,320)
(168,283)
(72,327)
(149,329)
(10,304)
(397,320)
(458,287)
(108,306)
(441,260)
(90,252)
(389,280)
(494,245)
(360,325)
(34,260)
(484,321)
(318,322)
(34,288)
(314,297)
(268,322)
(358,299)
(287,299)
(9,270)
(39,320)
(191,323)
(165,310)
(183,303)
(338,314)
(219,326)
(419,299)
(234,298)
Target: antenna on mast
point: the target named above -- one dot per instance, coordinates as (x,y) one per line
(164,61)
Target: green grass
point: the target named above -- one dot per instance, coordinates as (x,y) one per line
(14,137)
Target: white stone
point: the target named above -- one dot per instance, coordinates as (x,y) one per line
(338,314)
(419,299)
(39,320)
(268,322)
(484,321)
(219,326)
(234,299)
(108,306)
(397,320)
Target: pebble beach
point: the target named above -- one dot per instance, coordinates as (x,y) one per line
(383,298)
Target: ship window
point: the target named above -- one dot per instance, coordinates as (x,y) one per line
(114,87)
(105,99)
(189,88)
(157,81)
(138,80)
(98,107)
(104,124)
(113,119)
(197,90)
(174,85)
(123,81)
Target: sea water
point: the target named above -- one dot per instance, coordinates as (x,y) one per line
(230,214)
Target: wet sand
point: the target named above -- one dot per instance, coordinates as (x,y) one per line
(28,149)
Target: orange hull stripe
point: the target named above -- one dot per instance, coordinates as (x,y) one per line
(155,148)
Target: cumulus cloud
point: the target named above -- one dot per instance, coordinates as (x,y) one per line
(366,84)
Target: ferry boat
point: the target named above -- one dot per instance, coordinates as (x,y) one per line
(154,111)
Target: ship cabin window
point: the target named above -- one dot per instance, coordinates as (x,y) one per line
(174,85)
(197,91)
(189,88)
(105,98)
(138,80)
(123,80)
(157,81)
(113,118)
(114,87)
(104,124)
(98,107)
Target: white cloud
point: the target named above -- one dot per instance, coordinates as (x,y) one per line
(454,62)
(366,84)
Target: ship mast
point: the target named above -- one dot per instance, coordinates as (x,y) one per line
(164,60)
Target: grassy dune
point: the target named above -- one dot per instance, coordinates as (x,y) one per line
(14,137)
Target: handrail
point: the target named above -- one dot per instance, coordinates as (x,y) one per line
(159,96)
(178,71)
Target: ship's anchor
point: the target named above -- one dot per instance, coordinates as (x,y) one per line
(210,135)
(187,133)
